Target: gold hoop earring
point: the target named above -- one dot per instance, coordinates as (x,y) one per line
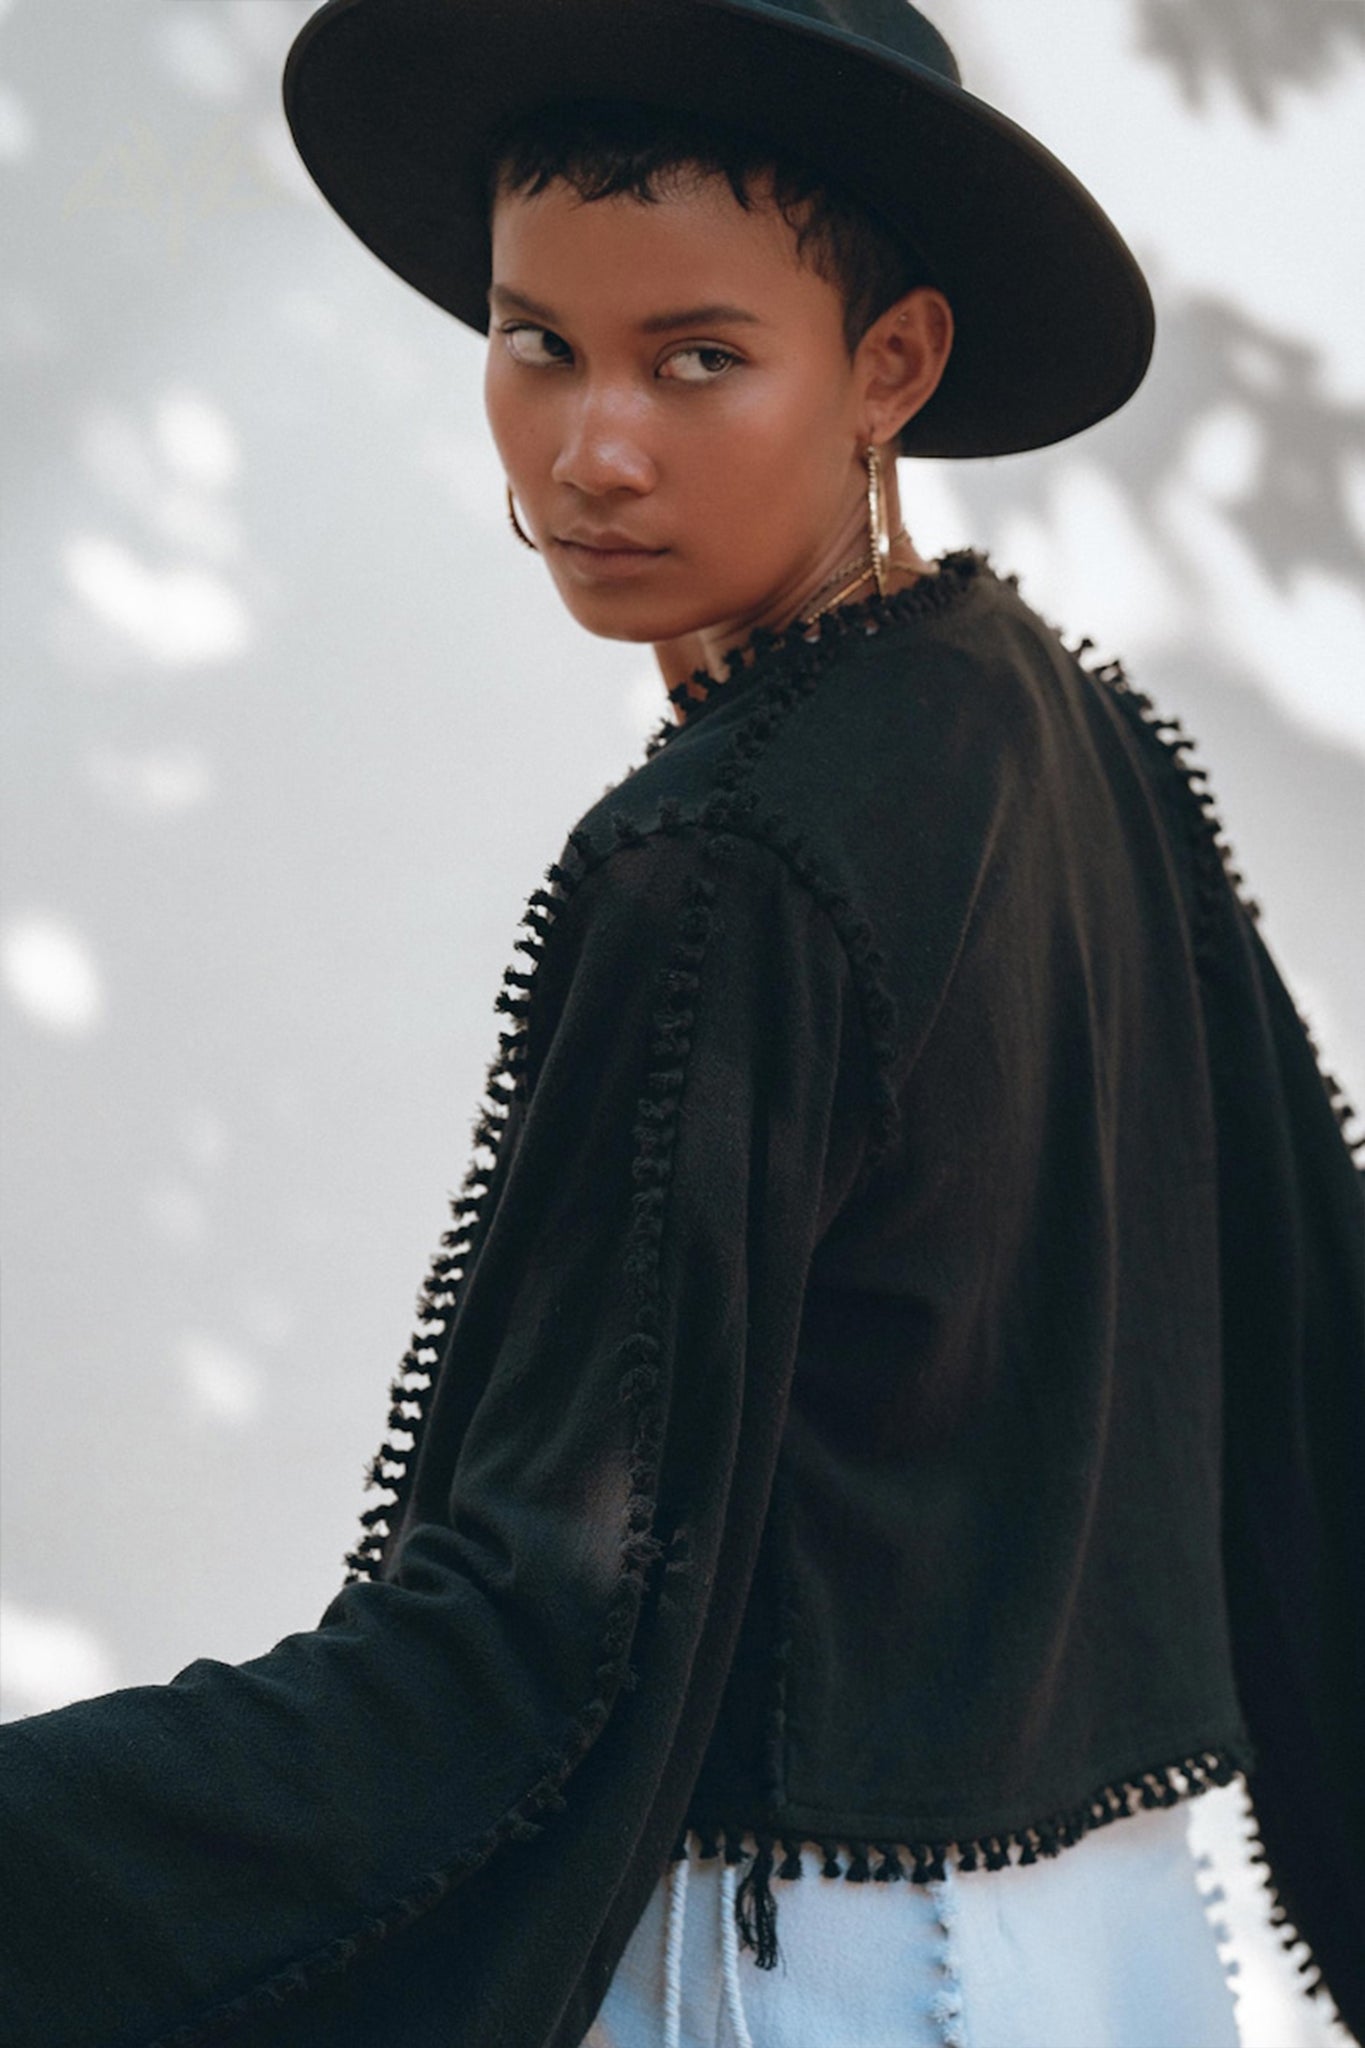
(524,538)
(878,529)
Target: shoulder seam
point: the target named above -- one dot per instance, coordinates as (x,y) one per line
(851,924)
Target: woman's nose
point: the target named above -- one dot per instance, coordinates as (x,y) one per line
(601,452)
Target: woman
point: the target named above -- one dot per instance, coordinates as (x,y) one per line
(889,1403)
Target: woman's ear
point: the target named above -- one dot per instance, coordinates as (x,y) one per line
(901,360)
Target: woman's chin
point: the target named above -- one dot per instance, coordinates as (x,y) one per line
(620,614)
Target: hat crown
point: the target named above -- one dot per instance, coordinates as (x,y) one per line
(395,106)
(894,25)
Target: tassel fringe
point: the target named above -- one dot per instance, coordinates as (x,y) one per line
(862,1860)
(1214,860)
(1282,1919)
(393,1465)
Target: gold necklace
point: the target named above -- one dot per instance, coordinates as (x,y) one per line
(863,564)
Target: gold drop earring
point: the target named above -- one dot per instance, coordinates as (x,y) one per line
(876,558)
(878,531)
(523,537)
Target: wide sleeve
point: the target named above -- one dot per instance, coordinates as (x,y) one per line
(1292,1228)
(408,1823)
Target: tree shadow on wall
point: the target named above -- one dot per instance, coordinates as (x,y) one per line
(1258,46)
(1294,511)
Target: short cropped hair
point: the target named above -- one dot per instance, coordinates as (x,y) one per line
(601,147)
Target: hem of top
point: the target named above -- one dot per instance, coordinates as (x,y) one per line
(874,1856)
(957,1810)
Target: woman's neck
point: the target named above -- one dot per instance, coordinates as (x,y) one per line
(707,647)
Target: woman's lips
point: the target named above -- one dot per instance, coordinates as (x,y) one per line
(592,561)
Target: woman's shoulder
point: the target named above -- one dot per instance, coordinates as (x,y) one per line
(919,719)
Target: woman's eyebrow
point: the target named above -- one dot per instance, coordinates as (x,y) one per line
(657,323)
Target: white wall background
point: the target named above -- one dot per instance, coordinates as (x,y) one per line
(292,726)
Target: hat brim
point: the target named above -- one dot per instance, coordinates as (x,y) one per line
(392,104)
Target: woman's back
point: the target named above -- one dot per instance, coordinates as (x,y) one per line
(994,1544)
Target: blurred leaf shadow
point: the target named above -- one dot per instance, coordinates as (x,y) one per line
(1258,46)
(1294,512)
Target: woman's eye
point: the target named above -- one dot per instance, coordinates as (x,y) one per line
(722,356)
(514,337)
(538,346)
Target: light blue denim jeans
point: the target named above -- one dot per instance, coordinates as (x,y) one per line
(1108,1945)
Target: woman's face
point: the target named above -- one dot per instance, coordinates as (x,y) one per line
(670,374)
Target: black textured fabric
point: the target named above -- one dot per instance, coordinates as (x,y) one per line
(894,1379)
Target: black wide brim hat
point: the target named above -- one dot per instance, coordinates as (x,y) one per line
(392,105)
